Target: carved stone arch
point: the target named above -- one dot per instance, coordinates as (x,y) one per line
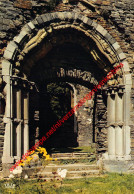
(32,36)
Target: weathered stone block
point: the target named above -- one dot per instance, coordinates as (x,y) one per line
(116,45)
(89,22)
(80,17)
(54,16)
(73,15)
(101,30)
(49,17)
(31,25)
(9,55)
(110,38)
(11,46)
(70,15)
(85,20)
(6,67)
(20,39)
(40,20)
(44,18)
(122,56)
(126,66)
(10,51)
(119,51)
(94,24)
(61,15)
(27,29)
(76,16)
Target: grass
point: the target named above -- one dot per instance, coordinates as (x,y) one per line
(90,160)
(83,149)
(90,150)
(109,183)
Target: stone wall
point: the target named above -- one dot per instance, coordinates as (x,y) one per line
(85,118)
(101,122)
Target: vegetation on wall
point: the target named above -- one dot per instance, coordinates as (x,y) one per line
(52,3)
(59,98)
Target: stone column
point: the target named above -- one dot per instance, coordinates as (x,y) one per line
(119,126)
(127,139)
(26,122)
(111,122)
(75,103)
(111,108)
(18,113)
(7,151)
(119,108)
(111,142)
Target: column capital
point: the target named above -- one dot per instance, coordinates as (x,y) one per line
(7,120)
(120,124)
(17,120)
(20,82)
(26,122)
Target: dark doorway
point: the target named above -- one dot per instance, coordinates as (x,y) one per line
(55,100)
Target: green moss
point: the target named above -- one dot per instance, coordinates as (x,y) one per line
(109,183)
(83,149)
(59,95)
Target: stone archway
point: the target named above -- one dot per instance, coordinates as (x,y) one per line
(36,39)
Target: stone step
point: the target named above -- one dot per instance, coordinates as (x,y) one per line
(74,158)
(73,170)
(58,155)
(87,176)
(71,167)
(70,174)
(82,173)
(57,178)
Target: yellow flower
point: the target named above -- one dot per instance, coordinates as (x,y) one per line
(34,155)
(28,159)
(55,159)
(47,157)
(19,164)
(32,152)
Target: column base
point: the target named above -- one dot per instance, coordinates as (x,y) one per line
(127,157)
(5,170)
(17,158)
(117,166)
(7,159)
(120,158)
(117,158)
(111,157)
